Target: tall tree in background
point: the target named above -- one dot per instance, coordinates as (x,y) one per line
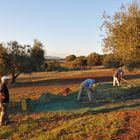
(37,56)
(2,55)
(122,34)
(15,59)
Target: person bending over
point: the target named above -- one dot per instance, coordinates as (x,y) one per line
(87,85)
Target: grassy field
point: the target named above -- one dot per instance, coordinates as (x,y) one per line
(114,114)
(32,85)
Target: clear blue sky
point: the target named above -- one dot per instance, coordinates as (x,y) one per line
(64,26)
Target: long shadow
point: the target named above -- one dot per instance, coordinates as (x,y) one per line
(106,110)
(70,81)
(75,115)
(83,107)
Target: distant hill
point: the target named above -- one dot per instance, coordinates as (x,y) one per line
(53,58)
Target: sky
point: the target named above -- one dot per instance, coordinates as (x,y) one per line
(63,26)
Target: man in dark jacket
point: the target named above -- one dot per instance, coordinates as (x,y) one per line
(4,101)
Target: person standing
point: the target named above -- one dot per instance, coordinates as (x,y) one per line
(87,85)
(4,101)
(117,76)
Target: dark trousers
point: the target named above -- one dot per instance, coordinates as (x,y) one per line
(4,112)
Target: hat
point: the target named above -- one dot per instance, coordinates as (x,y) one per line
(95,81)
(4,78)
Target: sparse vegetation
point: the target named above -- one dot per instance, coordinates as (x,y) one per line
(114,113)
(113,116)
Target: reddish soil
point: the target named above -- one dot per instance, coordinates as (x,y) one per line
(131,126)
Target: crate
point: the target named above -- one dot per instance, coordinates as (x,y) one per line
(26,104)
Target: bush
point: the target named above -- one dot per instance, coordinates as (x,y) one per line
(133,64)
(111,61)
(54,65)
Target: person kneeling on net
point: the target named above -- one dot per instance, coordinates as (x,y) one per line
(87,86)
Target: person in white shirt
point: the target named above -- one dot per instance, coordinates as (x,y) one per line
(117,76)
(87,85)
(4,101)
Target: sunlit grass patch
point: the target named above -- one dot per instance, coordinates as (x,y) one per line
(104,126)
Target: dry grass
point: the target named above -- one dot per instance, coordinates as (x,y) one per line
(32,85)
(68,126)
(121,120)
